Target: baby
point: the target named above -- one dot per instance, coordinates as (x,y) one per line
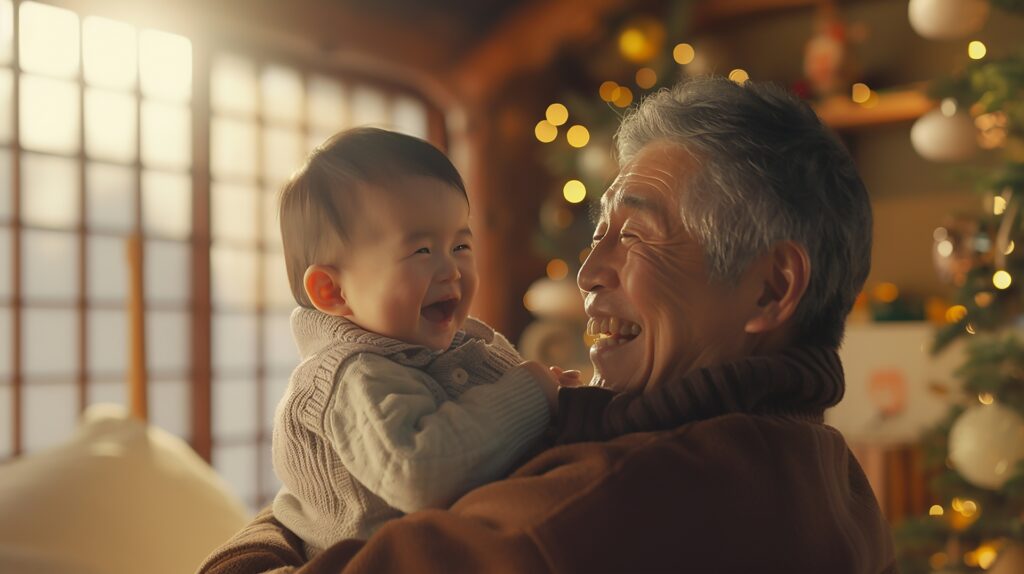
(402,401)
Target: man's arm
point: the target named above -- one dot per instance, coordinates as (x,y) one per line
(264,546)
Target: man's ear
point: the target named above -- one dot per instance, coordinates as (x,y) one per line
(784,278)
(323,287)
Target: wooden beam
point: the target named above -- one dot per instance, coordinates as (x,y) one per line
(528,39)
(709,12)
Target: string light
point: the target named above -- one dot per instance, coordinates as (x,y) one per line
(860,93)
(578,136)
(986,555)
(1001,279)
(622,96)
(936,510)
(646,78)
(970,329)
(944,248)
(545,132)
(557,114)
(557,269)
(1009,248)
(986,398)
(956,313)
(940,233)
(983,299)
(574,191)
(976,50)
(998,205)
(683,54)
(739,75)
(607,91)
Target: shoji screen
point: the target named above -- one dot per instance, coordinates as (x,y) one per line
(95,144)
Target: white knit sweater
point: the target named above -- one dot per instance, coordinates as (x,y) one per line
(371,428)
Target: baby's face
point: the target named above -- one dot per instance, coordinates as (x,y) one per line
(409,271)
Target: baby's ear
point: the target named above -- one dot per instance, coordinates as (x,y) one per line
(322,286)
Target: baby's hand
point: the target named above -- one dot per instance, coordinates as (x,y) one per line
(547,381)
(570,378)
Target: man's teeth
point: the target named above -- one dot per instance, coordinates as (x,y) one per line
(612,329)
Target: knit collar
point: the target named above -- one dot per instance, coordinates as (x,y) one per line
(314,330)
(800,382)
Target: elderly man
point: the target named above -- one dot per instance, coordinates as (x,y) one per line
(727,255)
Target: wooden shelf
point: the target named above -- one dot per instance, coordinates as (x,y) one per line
(841,113)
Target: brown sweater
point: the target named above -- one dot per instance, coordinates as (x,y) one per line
(728,470)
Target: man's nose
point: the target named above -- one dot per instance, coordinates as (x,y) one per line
(598,270)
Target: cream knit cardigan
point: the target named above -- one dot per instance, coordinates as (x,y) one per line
(371,428)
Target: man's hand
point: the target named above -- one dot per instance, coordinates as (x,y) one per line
(570,378)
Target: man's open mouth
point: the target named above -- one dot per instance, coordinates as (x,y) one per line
(612,330)
(440,312)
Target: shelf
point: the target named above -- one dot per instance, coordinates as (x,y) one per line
(841,113)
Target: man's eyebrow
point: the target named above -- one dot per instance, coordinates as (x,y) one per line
(647,205)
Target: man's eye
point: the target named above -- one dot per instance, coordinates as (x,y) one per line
(629,238)
(595,240)
(422,250)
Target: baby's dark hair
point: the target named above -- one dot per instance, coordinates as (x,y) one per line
(321,200)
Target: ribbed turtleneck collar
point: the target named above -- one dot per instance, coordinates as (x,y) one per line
(800,382)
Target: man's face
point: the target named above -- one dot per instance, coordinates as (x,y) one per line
(409,272)
(646,285)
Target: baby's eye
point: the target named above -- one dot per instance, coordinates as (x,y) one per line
(462,247)
(422,250)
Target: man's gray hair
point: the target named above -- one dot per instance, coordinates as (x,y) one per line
(770,171)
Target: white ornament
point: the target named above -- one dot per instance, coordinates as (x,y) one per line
(947,19)
(938,137)
(986,443)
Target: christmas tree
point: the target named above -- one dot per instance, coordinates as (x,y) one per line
(975,455)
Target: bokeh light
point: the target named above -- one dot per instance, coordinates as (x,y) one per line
(578,136)
(607,90)
(545,132)
(956,313)
(976,50)
(622,96)
(557,269)
(683,54)
(557,114)
(574,191)
(998,205)
(886,292)
(739,75)
(1001,279)
(860,93)
(646,78)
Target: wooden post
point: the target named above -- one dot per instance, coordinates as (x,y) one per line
(137,395)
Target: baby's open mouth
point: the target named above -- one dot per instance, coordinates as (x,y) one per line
(440,312)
